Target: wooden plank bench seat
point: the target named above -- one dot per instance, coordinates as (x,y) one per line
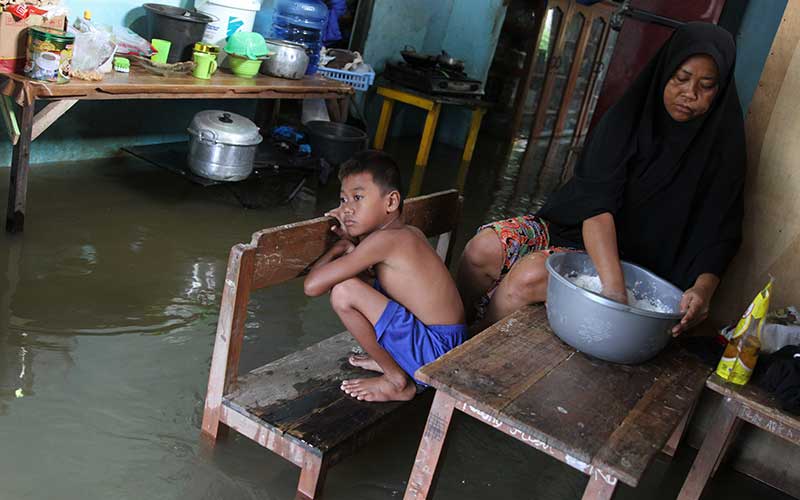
(603,419)
(299,397)
(293,406)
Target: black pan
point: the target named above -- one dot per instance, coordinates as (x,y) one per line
(414,58)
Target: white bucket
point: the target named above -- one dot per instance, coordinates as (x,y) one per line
(232,16)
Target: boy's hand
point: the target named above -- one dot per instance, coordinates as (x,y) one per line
(343,247)
(341,229)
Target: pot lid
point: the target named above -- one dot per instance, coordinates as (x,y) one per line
(277,42)
(224,127)
(179,13)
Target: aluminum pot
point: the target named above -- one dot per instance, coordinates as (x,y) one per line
(602,327)
(222,145)
(286,59)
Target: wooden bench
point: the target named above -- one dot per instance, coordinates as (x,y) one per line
(605,420)
(293,406)
(747,403)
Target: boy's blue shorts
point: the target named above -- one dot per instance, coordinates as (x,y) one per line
(412,343)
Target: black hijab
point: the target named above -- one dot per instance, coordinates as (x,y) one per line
(675,189)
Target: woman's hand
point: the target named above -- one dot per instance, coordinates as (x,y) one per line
(695,303)
(617,295)
(600,238)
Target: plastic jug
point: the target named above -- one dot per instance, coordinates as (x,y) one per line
(301,21)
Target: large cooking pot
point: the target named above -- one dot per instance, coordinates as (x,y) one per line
(286,59)
(222,145)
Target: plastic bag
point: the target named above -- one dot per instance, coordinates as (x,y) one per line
(129,42)
(92,51)
(741,354)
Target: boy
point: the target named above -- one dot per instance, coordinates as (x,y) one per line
(394,321)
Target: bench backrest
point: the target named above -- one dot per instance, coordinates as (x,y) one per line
(286,252)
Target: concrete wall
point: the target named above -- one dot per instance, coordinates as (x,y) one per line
(468,30)
(759,24)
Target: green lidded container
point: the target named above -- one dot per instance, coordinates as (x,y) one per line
(246,44)
(49,54)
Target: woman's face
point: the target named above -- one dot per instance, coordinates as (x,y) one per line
(692,88)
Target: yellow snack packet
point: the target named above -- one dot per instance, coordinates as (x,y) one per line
(741,353)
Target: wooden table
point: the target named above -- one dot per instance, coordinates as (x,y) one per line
(433,104)
(740,403)
(603,419)
(137,84)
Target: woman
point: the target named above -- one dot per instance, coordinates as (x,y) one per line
(659,183)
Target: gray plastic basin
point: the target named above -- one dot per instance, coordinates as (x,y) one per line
(602,327)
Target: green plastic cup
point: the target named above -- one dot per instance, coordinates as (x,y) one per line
(162,50)
(205,65)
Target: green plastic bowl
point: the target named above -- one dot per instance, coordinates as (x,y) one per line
(244,67)
(246,44)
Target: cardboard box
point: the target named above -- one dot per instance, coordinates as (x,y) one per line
(14,39)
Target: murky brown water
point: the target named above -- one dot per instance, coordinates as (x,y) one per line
(108,308)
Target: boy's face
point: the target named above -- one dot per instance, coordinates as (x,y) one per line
(364,208)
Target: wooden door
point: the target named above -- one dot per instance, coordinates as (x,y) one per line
(564,72)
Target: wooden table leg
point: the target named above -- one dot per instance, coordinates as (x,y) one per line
(711,451)
(383,123)
(20,166)
(266,114)
(312,477)
(430,447)
(338,109)
(469,147)
(672,445)
(598,488)
(424,149)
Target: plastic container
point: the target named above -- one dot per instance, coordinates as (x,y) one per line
(183,28)
(335,142)
(602,327)
(301,21)
(244,67)
(49,54)
(232,16)
(359,81)
(249,45)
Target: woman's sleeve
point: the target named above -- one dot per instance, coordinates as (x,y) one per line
(719,228)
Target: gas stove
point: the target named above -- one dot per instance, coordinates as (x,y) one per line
(433,79)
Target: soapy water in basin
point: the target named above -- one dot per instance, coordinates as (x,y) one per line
(592,283)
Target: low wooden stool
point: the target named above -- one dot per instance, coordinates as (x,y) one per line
(433,104)
(603,419)
(294,406)
(740,403)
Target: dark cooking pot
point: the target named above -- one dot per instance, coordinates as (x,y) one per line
(450,62)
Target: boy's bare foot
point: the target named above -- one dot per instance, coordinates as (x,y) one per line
(365,362)
(378,389)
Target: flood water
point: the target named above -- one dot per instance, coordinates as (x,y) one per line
(108,309)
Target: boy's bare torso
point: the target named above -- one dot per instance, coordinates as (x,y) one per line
(412,274)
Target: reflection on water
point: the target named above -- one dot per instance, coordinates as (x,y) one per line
(108,311)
